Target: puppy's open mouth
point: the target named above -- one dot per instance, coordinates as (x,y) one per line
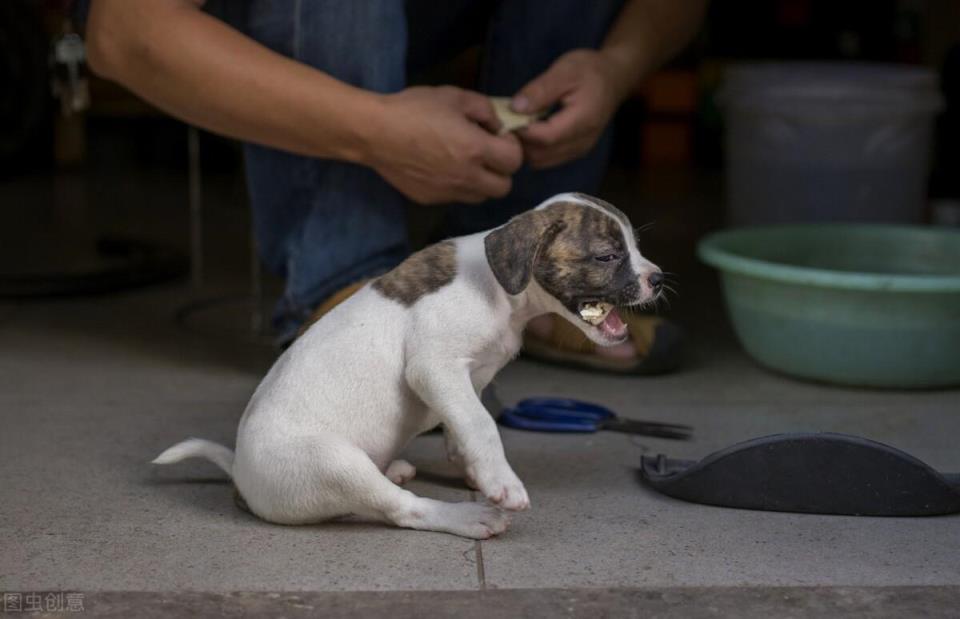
(604,317)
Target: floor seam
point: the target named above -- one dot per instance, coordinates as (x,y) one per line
(478,555)
(481,570)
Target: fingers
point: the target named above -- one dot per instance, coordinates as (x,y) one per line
(565,136)
(493,185)
(482,185)
(478,108)
(544,90)
(500,153)
(548,157)
(560,127)
(496,157)
(551,149)
(503,154)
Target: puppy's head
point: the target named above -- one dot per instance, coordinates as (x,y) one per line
(582,253)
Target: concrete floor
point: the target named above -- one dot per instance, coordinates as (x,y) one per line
(93,388)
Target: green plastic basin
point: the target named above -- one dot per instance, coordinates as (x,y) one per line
(867,305)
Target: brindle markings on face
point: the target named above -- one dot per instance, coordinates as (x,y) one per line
(603,204)
(568,269)
(424,272)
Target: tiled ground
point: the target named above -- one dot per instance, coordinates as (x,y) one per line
(92,388)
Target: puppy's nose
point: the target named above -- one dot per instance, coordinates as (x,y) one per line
(655,280)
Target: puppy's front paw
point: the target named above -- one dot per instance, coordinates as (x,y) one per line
(501,488)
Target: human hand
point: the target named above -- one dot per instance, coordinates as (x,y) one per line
(438,145)
(589,85)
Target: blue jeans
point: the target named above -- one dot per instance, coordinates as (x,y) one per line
(325,224)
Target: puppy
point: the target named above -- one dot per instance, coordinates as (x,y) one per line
(413,349)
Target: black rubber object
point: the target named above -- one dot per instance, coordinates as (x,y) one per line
(814,473)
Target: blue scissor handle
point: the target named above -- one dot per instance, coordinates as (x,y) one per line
(522,420)
(555,415)
(566,407)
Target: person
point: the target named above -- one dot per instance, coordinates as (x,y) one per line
(337,143)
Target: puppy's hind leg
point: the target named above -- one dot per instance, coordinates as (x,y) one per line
(400,472)
(371,494)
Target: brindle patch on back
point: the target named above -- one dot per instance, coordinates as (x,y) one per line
(424,272)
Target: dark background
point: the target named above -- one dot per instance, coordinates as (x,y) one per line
(71,186)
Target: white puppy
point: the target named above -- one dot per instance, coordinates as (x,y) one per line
(413,349)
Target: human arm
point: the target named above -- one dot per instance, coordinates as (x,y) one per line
(591,84)
(429,143)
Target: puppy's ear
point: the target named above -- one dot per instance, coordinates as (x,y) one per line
(513,248)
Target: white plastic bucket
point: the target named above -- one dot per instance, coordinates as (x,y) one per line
(809,142)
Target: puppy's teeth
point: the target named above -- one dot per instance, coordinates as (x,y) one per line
(594,313)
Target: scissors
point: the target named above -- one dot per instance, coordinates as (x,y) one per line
(566,415)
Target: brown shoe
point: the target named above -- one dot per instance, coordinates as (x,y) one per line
(331,302)
(658,344)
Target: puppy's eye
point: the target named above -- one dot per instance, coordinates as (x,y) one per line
(607,258)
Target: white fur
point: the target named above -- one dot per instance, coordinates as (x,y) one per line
(198,448)
(320,434)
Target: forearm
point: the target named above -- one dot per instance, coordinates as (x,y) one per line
(647,33)
(201,70)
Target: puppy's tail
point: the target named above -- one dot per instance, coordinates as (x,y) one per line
(198,448)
